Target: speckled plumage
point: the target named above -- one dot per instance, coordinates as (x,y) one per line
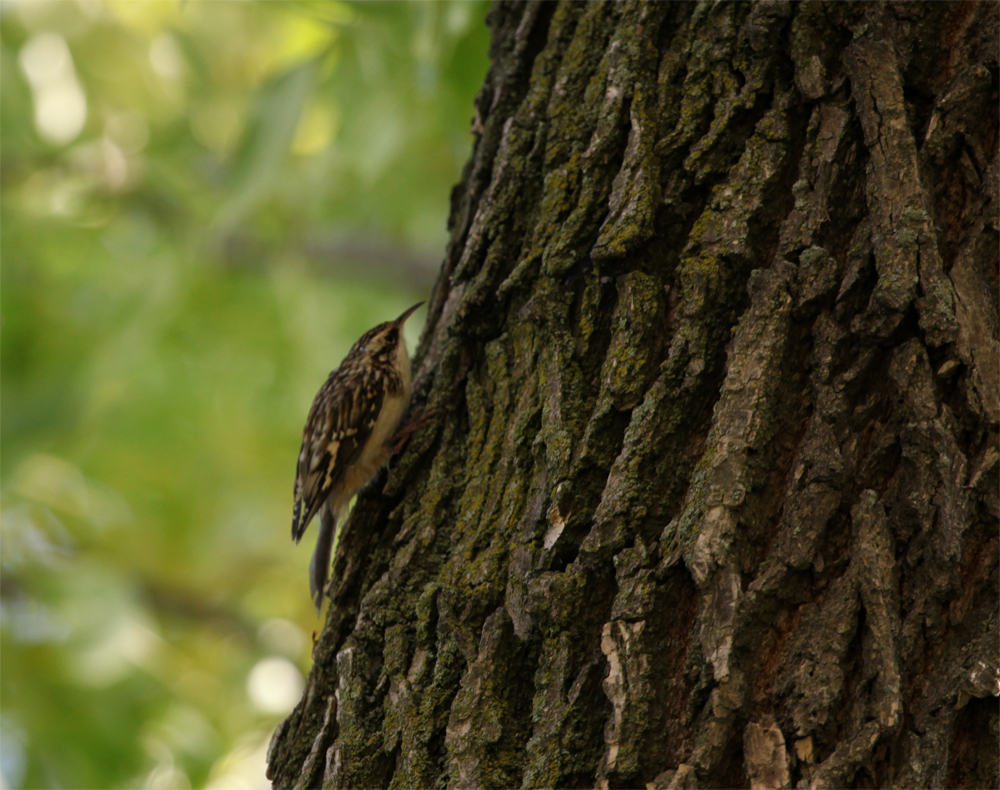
(347,435)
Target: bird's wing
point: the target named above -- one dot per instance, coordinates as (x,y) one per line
(339,424)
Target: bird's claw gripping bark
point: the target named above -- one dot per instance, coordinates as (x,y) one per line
(414,424)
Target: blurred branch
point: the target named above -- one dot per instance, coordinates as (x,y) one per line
(10,587)
(368,256)
(334,253)
(190,606)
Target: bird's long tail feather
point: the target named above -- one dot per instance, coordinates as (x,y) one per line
(319,567)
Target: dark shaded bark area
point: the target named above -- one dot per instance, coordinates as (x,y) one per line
(712,499)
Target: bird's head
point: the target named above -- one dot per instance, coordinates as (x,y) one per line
(384,340)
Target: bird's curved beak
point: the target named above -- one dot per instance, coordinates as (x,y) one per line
(407,314)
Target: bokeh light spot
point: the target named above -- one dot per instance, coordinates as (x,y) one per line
(274,685)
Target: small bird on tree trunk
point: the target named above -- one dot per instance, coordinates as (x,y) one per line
(349,435)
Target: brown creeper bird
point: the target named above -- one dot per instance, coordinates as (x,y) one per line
(348,436)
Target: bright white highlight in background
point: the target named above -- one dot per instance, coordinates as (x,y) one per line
(274,685)
(165,57)
(60,106)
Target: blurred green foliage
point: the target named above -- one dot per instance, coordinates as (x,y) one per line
(203,205)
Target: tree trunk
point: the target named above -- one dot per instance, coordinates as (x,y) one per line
(711,498)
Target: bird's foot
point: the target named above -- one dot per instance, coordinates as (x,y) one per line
(415,424)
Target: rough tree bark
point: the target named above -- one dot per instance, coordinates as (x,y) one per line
(712,497)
